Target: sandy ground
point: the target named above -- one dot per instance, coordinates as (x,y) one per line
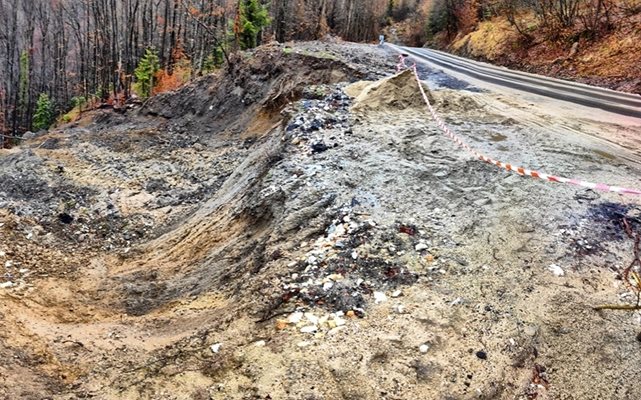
(348,251)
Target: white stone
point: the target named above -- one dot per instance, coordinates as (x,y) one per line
(312,318)
(379,297)
(556,270)
(260,343)
(309,329)
(397,293)
(215,348)
(423,348)
(327,286)
(421,247)
(6,285)
(295,318)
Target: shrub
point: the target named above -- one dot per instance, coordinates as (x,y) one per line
(145,73)
(44,112)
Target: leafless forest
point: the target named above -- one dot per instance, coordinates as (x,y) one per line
(90,48)
(79,51)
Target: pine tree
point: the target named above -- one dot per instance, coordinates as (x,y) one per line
(390,8)
(145,72)
(253,17)
(23,92)
(44,112)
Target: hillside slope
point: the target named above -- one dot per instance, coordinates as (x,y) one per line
(299,228)
(612,60)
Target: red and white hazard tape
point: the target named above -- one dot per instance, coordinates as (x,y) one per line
(509,167)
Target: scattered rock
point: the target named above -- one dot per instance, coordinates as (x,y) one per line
(556,270)
(379,297)
(295,318)
(309,329)
(421,247)
(423,348)
(215,348)
(481,354)
(319,147)
(65,218)
(281,324)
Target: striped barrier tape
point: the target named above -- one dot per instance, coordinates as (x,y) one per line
(509,167)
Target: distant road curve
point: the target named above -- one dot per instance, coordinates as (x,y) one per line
(578,93)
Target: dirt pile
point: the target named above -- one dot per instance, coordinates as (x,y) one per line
(397,92)
(251,94)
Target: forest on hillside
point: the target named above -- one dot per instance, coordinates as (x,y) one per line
(57,56)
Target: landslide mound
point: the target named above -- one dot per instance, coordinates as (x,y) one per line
(397,92)
(225,242)
(259,84)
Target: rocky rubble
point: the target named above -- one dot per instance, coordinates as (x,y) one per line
(287,232)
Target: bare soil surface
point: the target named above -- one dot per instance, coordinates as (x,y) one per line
(300,229)
(611,59)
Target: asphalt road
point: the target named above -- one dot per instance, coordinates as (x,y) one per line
(577,93)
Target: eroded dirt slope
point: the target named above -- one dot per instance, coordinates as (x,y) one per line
(281,232)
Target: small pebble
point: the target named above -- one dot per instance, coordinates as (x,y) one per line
(295,318)
(309,329)
(556,270)
(312,318)
(215,348)
(379,297)
(481,354)
(421,247)
(423,348)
